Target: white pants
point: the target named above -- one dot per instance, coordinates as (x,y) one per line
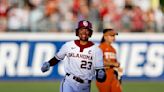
(68,84)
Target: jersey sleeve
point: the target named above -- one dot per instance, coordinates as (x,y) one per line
(99,58)
(60,55)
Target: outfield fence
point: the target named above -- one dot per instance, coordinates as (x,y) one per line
(21,55)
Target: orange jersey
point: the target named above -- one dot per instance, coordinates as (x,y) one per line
(111,83)
(109,53)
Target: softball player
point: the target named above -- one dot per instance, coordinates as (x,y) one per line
(113,71)
(84,61)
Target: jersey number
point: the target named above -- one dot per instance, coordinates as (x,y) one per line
(86,65)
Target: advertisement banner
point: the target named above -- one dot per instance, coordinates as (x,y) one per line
(22,55)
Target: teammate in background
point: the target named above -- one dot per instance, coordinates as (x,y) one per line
(85,60)
(112,66)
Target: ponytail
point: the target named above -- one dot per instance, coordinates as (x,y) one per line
(102,40)
(104,31)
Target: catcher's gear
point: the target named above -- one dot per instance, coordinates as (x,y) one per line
(100,75)
(45,67)
(84,24)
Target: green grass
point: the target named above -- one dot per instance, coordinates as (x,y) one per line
(53,86)
(146,86)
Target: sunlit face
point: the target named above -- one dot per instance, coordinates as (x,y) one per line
(109,36)
(84,34)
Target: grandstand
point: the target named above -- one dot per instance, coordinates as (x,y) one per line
(62,15)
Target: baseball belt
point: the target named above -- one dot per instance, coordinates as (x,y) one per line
(78,79)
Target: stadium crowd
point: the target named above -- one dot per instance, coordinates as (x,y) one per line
(62,15)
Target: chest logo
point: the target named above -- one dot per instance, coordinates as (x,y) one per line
(110,55)
(89,52)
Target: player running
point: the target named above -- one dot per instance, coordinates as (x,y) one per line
(84,61)
(113,71)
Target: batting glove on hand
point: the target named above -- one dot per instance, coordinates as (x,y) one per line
(45,67)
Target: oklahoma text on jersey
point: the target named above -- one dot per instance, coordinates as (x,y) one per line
(78,55)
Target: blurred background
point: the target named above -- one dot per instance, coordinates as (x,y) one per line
(62,15)
(31,31)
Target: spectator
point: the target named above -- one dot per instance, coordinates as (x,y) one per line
(137,20)
(126,19)
(3,15)
(159,18)
(66,22)
(36,14)
(62,15)
(150,21)
(51,19)
(18,18)
(94,14)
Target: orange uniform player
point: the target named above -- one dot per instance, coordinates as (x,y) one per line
(112,83)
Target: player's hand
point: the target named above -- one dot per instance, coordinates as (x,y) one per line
(112,64)
(117,64)
(45,67)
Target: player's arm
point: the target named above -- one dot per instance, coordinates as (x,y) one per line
(58,57)
(112,64)
(109,63)
(46,65)
(53,61)
(100,71)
